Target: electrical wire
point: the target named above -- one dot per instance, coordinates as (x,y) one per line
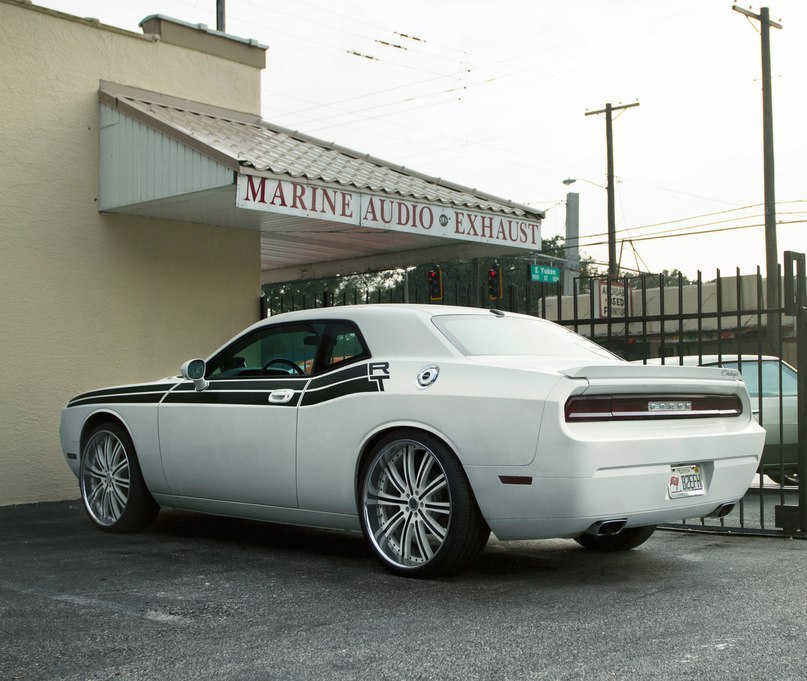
(519,72)
(708,215)
(705,231)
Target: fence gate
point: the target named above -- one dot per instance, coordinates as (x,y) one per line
(724,321)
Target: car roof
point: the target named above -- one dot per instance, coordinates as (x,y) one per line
(374,309)
(389,327)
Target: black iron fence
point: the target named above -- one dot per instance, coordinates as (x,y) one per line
(722,321)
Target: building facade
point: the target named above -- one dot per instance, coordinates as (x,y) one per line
(145,201)
(89,298)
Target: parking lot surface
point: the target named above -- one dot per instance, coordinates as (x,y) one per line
(196,597)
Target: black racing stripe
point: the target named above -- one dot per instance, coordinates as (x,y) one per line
(260,399)
(339,376)
(145,398)
(246,385)
(156,387)
(352,387)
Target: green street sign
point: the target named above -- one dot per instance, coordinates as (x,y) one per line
(544,274)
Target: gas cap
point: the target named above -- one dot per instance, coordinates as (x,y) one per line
(428,375)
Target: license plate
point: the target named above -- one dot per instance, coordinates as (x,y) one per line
(685,481)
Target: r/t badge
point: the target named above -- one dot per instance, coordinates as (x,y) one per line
(378,372)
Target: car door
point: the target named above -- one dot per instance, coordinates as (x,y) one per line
(235,440)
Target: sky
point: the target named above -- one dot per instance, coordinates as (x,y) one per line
(494,95)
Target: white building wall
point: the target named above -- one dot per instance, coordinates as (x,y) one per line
(90,299)
(139,163)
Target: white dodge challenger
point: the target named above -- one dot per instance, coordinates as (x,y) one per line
(425,428)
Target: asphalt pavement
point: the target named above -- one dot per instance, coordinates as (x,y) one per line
(196,597)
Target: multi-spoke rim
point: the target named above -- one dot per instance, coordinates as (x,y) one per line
(105,478)
(407,503)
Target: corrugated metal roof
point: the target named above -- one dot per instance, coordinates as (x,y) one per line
(243,141)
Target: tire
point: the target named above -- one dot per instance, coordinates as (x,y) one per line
(625,540)
(112,488)
(416,507)
(788,479)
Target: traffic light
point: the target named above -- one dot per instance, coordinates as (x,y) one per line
(495,282)
(435,284)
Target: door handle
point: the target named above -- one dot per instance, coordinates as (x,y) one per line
(281,396)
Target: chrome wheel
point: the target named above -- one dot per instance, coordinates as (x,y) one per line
(407,504)
(416,506)
(105,478)
(112,487)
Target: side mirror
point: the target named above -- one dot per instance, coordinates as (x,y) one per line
(194,370)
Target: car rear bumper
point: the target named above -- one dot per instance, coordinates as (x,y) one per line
(568,489)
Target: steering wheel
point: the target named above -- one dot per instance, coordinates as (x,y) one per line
(285,362)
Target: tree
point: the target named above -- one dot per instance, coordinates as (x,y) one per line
(668,277)
(388,286)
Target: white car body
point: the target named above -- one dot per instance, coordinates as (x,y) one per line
(290,448)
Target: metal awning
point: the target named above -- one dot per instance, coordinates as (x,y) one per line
(321,209)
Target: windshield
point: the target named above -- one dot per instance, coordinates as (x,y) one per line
(494,335)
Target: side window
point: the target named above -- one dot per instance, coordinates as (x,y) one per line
(750,374)
(288,350)
(344,344)
(770,380)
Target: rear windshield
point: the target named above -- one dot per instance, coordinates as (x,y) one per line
(493,335)
(770,378)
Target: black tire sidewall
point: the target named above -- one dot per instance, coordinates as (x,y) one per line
(465,523)
(140,506)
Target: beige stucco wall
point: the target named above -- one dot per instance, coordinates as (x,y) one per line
(86,299)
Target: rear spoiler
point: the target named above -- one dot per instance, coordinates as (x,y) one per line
(640,371)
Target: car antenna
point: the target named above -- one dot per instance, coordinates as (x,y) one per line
(498,313)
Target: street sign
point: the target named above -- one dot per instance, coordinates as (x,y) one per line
(544,274)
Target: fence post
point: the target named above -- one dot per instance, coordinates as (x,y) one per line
(263,306)
(801,409)
(795,303)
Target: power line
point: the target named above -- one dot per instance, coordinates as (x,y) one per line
(706,215)
(705,231)
(415,39)
(693,217)
(673,191)
(542,66)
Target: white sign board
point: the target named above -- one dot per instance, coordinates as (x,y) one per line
(385,212)
(616,307)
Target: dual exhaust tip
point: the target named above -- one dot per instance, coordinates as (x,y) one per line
(604,528)
(722,511)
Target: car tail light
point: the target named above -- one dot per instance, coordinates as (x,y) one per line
(631,407)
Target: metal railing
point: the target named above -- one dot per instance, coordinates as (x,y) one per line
(651,318)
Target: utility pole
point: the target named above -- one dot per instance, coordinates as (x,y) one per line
(613,268)
(771,257)
(572,242)
(220,15)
